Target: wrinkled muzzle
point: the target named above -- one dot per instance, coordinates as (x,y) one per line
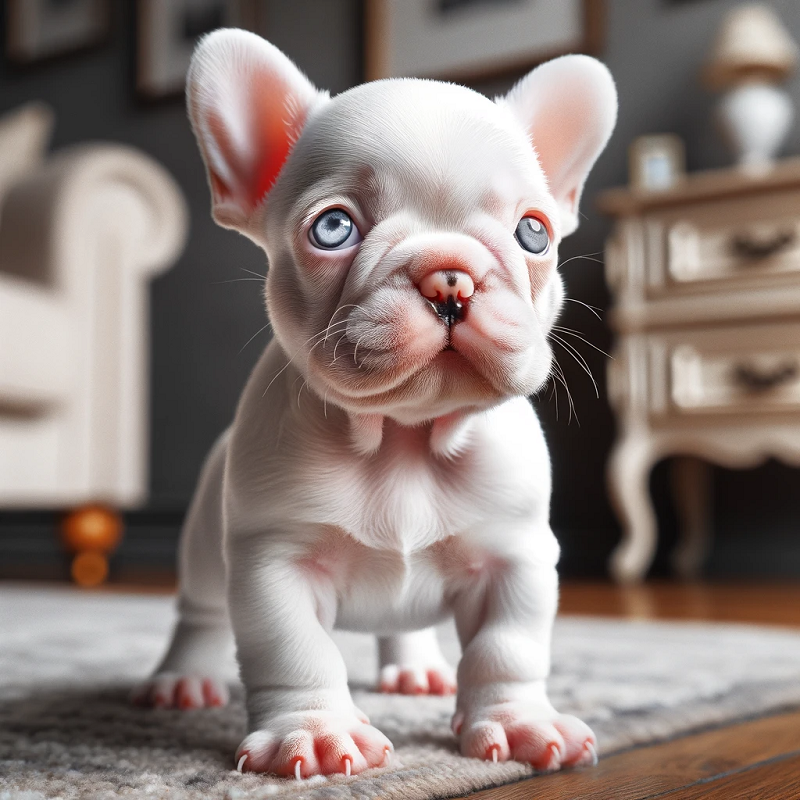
(438,322)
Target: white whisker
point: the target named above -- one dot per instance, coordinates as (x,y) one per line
(587,256)
(594,309)
(355,350)
(578,335)
(562,379)
(263,328)
(297,353)
(579,359)
(554,393)
(257,274)
(342,308)
(338,342)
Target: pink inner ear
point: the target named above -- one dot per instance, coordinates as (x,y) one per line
(275,124)
(280,122)
(277,139)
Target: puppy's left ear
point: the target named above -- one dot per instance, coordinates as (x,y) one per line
(569,107)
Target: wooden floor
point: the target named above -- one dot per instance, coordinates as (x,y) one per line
(758,760)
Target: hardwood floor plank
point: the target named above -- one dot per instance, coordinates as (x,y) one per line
(771,604)
(776,780)
(663,769)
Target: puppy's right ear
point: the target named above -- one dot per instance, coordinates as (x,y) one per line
(248,104)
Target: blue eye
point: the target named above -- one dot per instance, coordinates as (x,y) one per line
(334,230)
(532,234)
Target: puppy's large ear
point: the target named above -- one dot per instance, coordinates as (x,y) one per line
(569,107)
(248,104)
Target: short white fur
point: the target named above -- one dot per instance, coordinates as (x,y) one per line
(385,469)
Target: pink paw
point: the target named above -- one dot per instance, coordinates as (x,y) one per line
(314,743)
(170,690)
(547,745)
(440,679)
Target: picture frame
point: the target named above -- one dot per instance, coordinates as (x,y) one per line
(167,32)
(39,30)
(468,40)
(656,162)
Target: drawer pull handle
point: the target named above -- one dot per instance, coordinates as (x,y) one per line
(751,246)
(756,380)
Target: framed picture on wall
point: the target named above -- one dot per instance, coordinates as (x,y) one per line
(166,34)
(475,39)
(42,29)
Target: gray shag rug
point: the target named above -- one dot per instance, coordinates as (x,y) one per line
(68,659)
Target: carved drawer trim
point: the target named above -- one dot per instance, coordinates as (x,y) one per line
(767,380)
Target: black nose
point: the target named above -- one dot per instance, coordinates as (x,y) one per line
(450,310)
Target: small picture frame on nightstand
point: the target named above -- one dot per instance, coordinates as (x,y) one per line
(656,162)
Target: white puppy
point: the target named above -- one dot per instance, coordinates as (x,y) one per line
(385,468)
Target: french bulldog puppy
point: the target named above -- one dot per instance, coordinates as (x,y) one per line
(385,468)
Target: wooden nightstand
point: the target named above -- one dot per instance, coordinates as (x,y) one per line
(706,283)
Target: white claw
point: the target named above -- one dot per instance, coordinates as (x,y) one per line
(387,757)
(297,766)
(592,752)
(241,763)
(347,767)
(494,755)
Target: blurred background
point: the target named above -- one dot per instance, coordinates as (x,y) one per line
(111,72)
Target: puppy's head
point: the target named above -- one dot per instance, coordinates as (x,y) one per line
(411,227)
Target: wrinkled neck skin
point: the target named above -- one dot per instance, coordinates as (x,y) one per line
(444,434)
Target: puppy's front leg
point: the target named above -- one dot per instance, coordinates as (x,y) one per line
(505,622)
(301,717)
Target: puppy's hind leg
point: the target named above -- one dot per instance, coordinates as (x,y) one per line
(412,663)
(201,654)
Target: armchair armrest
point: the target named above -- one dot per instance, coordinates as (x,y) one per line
(48,217)
(86,231)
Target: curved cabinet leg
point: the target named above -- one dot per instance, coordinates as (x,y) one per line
(628,483)
(691,489)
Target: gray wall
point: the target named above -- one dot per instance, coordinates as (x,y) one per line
(206,309)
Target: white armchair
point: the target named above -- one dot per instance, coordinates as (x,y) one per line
(81,235)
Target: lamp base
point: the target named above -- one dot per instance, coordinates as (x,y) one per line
(755,119)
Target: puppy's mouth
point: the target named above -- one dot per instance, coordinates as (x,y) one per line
(450,311)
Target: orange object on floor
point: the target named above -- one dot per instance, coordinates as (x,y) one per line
(92,533)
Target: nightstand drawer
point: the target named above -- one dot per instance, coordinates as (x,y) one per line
(735,381)
(740,251)
(746,369)
(705,248)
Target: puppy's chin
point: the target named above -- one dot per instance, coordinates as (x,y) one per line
(409,365)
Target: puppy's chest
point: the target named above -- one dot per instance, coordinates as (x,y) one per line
(405,507)
(401,499)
